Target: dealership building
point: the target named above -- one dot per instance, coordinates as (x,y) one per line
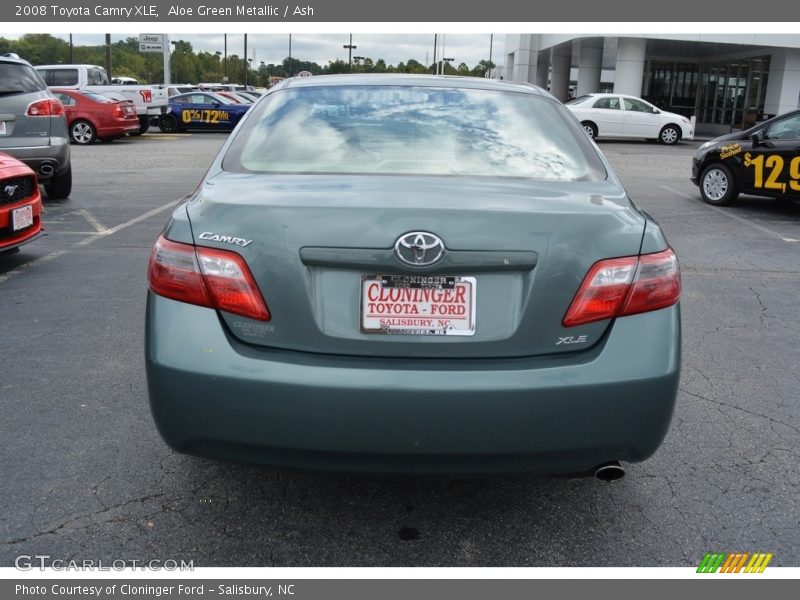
(724,81)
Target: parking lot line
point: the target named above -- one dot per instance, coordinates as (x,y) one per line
(725,213)
(29,265)
(93,221)
(86,241)
(133,221)
(162,136)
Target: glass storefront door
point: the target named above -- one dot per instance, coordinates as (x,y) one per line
(722,93)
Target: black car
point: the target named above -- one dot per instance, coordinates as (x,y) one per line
(763,160)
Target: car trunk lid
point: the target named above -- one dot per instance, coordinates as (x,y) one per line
(313,242)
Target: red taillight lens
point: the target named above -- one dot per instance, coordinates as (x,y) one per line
(117,112)
(626,286)
(207,277)
(49,107)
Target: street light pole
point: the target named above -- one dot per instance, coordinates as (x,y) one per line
(225,61)
(176,64)
(108,55)
(491,44)
(349,47)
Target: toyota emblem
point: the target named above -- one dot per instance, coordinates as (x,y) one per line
(419,248)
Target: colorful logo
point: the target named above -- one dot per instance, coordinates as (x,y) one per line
(734,562)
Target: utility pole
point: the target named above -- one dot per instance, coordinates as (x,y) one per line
(491,43)
(245,60)
(444,43)
(71,57)
(289,73)
(225,61)
(167,59)
(108,56)
(349,47)
(435,48)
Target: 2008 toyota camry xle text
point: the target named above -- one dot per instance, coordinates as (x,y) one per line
(413,274)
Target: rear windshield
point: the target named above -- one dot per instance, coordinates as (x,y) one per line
(578,100)
(99,98)
(19,79)
(413,130)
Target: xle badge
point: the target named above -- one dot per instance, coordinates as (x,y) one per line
(572,339)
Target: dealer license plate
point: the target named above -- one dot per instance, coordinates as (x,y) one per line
(418,304)
(22,217)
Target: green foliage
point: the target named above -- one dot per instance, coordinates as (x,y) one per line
(191,67)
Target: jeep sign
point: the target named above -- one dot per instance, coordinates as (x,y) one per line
(151,42)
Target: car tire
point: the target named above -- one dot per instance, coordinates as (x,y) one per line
(590,129)
(168,124)
(144,125)
(82,132)
(717,185)
(670,135)
(59,187)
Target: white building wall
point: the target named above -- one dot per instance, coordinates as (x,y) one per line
(529,57)
(561,61)
(783,85)
(630,66)
(590,64)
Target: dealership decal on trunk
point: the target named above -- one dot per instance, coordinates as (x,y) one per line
(225,239)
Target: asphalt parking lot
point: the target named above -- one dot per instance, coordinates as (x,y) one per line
(86,476)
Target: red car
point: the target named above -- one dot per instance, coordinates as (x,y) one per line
(20,204)
(91,116)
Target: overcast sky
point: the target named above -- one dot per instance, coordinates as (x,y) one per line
(321,48)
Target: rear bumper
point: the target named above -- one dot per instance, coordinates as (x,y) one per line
(154,111)
(211,395)
(55,155)
(118,129)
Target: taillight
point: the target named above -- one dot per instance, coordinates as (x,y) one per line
(117,112)
(626,286)
(207,277)
(48,107)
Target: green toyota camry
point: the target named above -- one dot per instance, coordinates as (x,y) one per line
(413,274)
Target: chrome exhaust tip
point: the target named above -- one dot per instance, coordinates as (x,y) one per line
(610,471)
(46,169)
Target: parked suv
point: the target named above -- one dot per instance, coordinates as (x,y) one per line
(33,127)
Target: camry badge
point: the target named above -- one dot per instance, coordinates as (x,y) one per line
(419,248)
(225,239)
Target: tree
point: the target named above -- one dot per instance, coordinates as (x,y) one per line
(337,66)
(414,66)
(38,48)
(482,68)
